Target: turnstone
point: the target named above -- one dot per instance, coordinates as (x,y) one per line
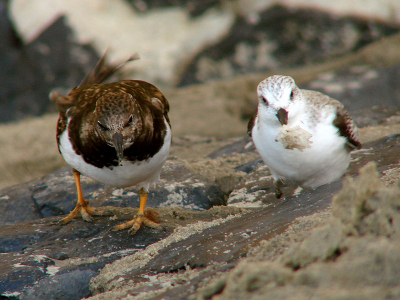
(302,136)
(116,133)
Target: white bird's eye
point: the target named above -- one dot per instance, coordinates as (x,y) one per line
(264,100)
(291,95)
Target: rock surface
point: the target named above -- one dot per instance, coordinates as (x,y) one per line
(333,242)
(354,255)
(30,71)
(43,252)
(282,37)
(42,260)
(55,194)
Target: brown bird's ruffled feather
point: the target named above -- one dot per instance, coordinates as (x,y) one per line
(80,104)
(101,71)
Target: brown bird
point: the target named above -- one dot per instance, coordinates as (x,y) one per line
(116,133)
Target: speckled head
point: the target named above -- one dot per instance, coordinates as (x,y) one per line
(117,120)
(278,91)
(280,98)
(113,110)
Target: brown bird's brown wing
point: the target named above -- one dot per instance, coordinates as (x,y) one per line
(152,107)
(147,94)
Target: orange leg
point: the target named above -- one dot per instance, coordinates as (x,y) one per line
(81,205)
(139,218)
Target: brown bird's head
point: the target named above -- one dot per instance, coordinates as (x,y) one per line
(117,121)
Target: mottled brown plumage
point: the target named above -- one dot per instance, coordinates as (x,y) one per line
(106,130)
(149,118)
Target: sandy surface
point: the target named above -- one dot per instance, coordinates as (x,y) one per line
(353,254)
(347,252)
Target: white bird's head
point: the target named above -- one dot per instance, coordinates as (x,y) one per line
(279,98)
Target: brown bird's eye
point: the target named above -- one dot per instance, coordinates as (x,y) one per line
(129,121)
(101,126)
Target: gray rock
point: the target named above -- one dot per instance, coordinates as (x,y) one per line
(35,251)
(42,260)
(218,249)
(282,37)
(361,87)
(71,285)
(244,145)
(30,71)
(223,244)
(55,194)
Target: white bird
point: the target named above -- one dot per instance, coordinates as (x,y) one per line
(303,136)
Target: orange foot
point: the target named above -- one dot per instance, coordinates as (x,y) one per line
(146,219)
(150,218)
(82,206)
(86,212)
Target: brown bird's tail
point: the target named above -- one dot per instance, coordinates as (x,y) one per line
(100,73)
(62,102)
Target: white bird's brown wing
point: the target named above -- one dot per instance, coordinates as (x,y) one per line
(251,124)
(343,122)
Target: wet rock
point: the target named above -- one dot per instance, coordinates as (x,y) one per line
(42,260)
(206,256)
(55,194)
(376,115)
(243,145)
(39,253)
(220,245)
(336,258)
(19,209)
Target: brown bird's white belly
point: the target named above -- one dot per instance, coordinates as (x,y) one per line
(140,173)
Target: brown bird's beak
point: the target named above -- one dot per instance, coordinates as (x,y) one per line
(282,116)
(117,141)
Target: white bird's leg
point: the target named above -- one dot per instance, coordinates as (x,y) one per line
(278,184)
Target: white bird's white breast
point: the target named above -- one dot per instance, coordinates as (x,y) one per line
(141,173)
(325,161)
